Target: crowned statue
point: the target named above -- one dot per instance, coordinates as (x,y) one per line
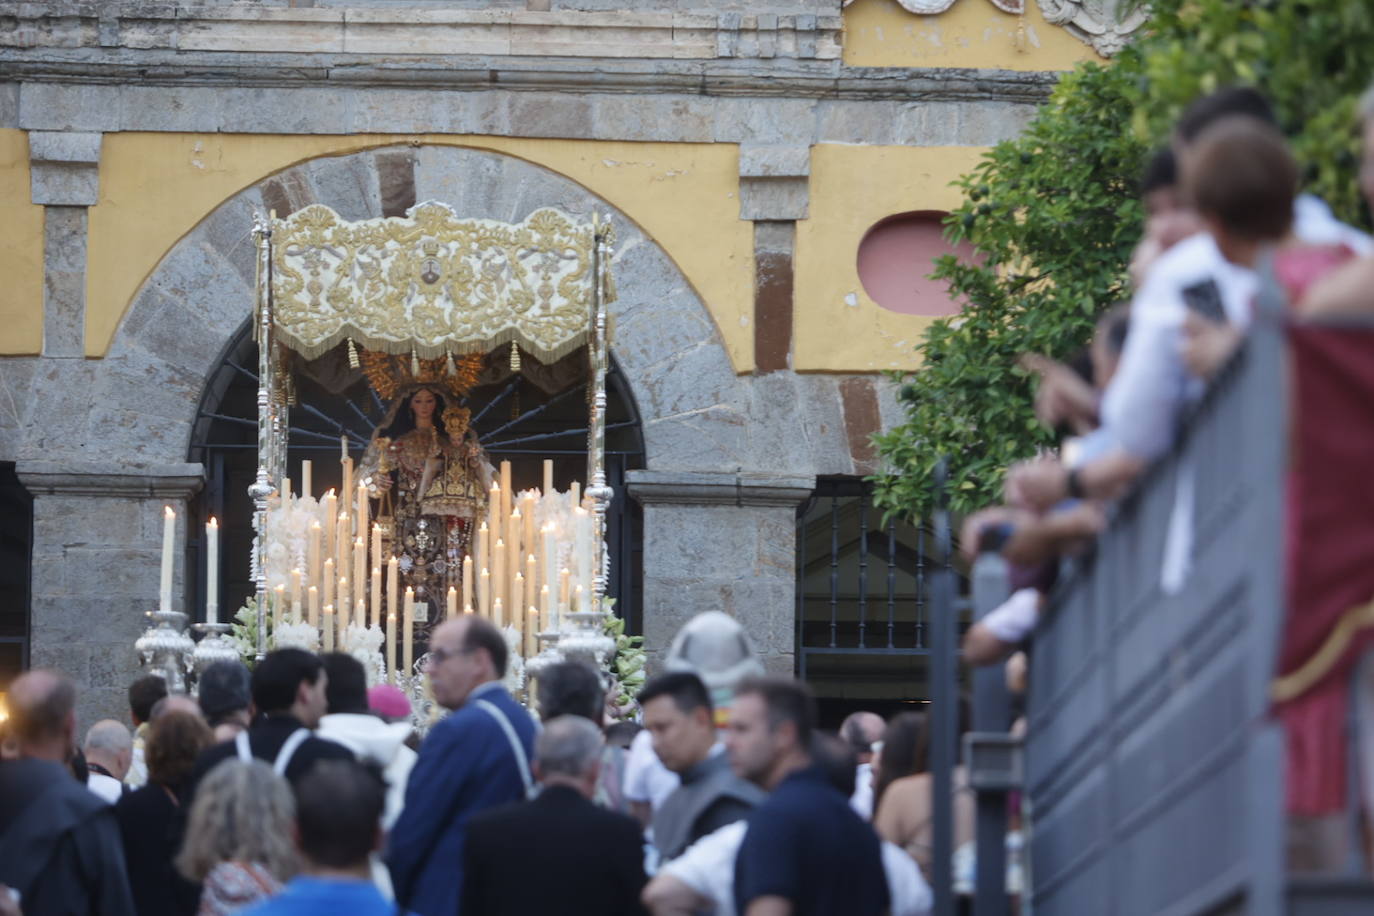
(428,471)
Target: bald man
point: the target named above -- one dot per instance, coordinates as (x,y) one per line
(60,847)
(109,749)
(861,731)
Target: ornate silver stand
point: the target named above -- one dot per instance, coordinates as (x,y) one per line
(213,647)
(166,649)
(586,642)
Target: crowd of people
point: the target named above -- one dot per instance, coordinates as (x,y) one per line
(296,789)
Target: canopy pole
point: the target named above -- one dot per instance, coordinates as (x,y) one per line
(268,429)
(597,489)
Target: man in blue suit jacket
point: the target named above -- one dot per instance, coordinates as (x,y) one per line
(475,759)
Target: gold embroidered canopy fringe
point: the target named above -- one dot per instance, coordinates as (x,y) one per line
(433,284)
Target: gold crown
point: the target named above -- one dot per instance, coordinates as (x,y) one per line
(391,375)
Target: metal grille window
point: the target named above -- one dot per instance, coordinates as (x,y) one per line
(863,635)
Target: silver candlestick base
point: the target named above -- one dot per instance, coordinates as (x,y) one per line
(587,641)
(548,656)
(423,710)
(213,647)
(166,649)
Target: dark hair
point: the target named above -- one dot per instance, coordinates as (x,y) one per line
(1224,103)
(836,758)
(46,716)
(481,633)
(686,689)
(787,701)
(338,812)
(278,676)
(1242,174)
(143,693)
(175,740)
(405,419)
(1161,171)
(346,689)
(77,766)
(904,752)
(571,689)
(223,690)
(1114,324)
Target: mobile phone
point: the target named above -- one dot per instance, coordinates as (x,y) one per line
(1205,299)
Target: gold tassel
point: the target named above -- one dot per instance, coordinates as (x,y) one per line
(452,369)
(514,357)
(414,364)
(353,355)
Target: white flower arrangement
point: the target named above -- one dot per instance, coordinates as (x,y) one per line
(297,636)
(365,644)
(514,680)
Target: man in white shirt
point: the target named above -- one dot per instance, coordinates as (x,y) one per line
(109,748)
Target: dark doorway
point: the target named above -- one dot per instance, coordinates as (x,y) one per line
(16,566)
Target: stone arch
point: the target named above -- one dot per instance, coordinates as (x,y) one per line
(146,390)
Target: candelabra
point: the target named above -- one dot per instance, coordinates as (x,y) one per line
(586,641)
(213,647)
(166,649)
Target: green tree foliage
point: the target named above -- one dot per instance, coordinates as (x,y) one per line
(1055,214)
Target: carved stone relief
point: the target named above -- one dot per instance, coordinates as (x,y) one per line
(1104,25)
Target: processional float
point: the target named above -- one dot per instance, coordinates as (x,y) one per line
(431,293)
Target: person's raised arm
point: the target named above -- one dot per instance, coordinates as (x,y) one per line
(667,895)
(770,906)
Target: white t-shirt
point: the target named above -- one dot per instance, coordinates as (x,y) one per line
(862,799)
(708,868)
(646,778)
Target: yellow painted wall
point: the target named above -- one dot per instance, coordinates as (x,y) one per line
(156,187)
(836,326)
(21,251)
(972,33)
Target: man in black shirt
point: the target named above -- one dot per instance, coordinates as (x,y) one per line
(805,851)
(288,692)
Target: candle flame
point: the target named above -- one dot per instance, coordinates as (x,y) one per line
(168,510)
(214,523)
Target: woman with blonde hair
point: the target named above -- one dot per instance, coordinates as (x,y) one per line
(238,839)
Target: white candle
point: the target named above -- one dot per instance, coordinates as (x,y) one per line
(359,572)
(393,587)
(306,467)
(484,593)
(391,646)
(452,608)
(564,593)
(517,601)
(312,556)
(376,595)
(548,476)
(169,527)
(331,513)
(362,510)
(360,613)
(467,582)
(295,586)
(408,640)
(212,571)
(344,598)
(285,489)
(531,633)
(498,573)
(314,594)
(328,627)
(376,544)
(550,563)
(505,490)
(583,522)
(279,594)
(479,556)
(329,582)
(497,613)
(543,608)
(578,600)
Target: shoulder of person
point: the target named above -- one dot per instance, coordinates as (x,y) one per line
(1346,290)
(324,746)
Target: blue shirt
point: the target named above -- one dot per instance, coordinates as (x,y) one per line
(805,844)
(305,896)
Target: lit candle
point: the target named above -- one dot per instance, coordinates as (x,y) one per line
(498,572)
(285,491)
(329,582)
(564,592)
(531,579)
(532,633)
(548,476)
(494,505)
(550,563)
(543,607)
(517,601)
(376,595)
(505,490)
(527,543)
(452,607)
(331,513)
(169,527)
(279,593)
(314,596)
(359,571)
(484,593)
(578,600)
(362,510)
(306,467)
(344,599)
(393,585)
(408,639)
(347,464)
(327,625)
(514,526)
(376,544)
(467,582)
(479,556)
(295,587)
(312,555)
(497,613)
(343,545)
(360,613)
(391,646)
(212,572)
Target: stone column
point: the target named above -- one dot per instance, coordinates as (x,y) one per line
(65,180)
(723,542)
(97,549)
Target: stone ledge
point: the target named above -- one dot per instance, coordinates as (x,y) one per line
(695,488)
(65,173)
(163,481)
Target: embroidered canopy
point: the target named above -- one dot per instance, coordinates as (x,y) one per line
(432,283)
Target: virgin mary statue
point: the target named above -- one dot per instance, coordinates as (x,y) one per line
(431,476)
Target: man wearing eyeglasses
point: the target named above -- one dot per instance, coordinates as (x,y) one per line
(474,759)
